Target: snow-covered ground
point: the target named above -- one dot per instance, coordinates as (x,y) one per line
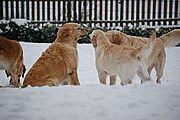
(92,101)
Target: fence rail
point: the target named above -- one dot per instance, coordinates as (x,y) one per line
(107,13)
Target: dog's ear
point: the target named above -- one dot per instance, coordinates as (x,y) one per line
(62,33)
(24,70)
(94,41)
(117,39)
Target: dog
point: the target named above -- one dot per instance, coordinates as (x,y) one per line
(11,60)
(157,58)
(121,60)
(58,64)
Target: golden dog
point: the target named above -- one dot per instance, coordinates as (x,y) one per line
(58,64)
(121,60)
(11,60)
(158,56)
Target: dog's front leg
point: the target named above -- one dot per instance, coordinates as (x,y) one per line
(15,80)
(74,78)
(112,80)
(102,77)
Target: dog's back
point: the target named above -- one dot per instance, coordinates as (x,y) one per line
(120,38)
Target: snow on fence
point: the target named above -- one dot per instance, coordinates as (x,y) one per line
(102,12)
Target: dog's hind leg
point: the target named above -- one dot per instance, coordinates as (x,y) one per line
(159,66)
(151,66)
(112,80)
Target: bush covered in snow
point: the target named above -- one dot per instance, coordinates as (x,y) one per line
(46,33)
(29,32)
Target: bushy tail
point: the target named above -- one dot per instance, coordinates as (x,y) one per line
(171,39)
(148,49)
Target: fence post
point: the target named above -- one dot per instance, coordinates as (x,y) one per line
(80,12)
(69,10)
(117,11)
(1,9)
(6,10)
(90,11)
(159,9)
(12,9)
(74,10)
(176,11)
(106,11)
(121,12)
(137,12)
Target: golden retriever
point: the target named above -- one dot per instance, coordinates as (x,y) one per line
(58,64)
(11,60)
(121,60)
(158,56)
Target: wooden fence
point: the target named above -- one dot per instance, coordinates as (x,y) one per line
(107,13)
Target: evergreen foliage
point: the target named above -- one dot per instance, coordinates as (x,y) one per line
(46,33)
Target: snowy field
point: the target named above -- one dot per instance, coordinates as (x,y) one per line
(92,101)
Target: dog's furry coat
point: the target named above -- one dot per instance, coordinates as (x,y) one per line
(158,56)
(58,64)
(11,60)
(120,60)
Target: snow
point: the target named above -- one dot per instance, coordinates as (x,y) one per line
(92,101)
(20,22)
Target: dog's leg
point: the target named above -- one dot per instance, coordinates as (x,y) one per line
(142,71)
(125,82)
(125,79)
(159,66)
(143,77)
(10,81)
(15,80)
(150,69)
(112,80)
(102,77)
(74,78)
(7,73)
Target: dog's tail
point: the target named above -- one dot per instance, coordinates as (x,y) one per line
(171,39)
(147,50)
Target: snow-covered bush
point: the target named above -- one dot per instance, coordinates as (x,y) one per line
(29,32)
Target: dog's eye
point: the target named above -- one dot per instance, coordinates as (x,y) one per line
(78,29)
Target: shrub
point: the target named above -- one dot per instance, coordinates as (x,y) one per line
(47,32)
(29,32)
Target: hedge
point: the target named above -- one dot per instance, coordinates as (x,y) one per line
(46,33)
